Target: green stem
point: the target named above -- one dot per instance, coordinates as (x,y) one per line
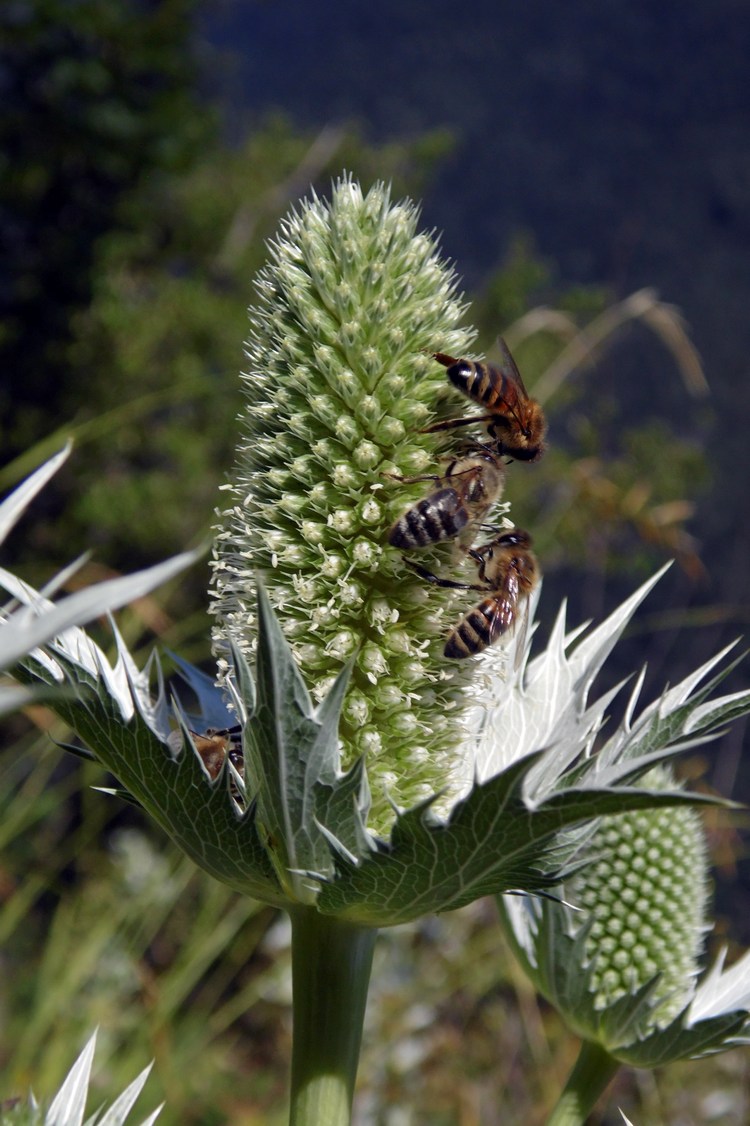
(593,1070)
(331,962)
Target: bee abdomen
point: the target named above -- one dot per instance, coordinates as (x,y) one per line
(437,517)
(480,628)
(476,380)
(472,634)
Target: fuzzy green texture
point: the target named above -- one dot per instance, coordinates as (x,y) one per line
(340,384)
(646,891)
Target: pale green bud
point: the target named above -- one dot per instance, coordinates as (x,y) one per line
(645,892)
(620,954)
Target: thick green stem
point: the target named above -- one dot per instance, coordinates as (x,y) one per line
(331,962)
(594,1069)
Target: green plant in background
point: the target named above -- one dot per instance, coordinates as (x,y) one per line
(165,321)
(376,782)
(97,98)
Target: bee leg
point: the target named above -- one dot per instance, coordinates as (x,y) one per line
(474,446)
(412,480)
(431,578)
(446,361)
(504,424)
(437,581)
(452,423)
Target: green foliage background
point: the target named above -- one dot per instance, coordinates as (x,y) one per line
(134,231)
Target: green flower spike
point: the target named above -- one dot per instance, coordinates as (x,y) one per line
(368,780)
(619,953)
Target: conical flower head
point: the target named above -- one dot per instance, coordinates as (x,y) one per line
(339,387)
(644,891)
(620,955)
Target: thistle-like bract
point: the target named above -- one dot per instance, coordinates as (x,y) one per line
(68,1106)
(339,387)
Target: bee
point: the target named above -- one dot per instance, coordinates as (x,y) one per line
(471,484)
(215,744)
(507,573)
(515,422)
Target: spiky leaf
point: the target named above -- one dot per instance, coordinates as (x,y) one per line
(492,841)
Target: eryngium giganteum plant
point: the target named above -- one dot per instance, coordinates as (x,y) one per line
(368,780)
(618,953)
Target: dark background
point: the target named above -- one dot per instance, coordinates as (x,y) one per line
(617,134)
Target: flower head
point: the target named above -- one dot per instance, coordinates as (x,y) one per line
(619,952)
(645,891)
(339,387)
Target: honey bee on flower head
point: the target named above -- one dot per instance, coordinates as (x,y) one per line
(515,422)
(215,744)
(507,571)
(471,484)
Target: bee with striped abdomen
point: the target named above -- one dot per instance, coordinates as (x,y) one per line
(507,573)
(515,422)
(467,490)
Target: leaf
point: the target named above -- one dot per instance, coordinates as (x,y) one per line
(343,805)
(122,1106)
(69,1104)
(492,842)
(291,747)
(169,781)
(679,1041)
(16,503)
(43,620)
(680,719)
(267,831)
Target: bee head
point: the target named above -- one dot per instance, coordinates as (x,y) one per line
(515,538)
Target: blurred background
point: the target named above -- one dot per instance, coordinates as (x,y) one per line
(588,167)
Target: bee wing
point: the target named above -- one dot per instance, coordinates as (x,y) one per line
(506,606)
(509,367)
(522,633)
